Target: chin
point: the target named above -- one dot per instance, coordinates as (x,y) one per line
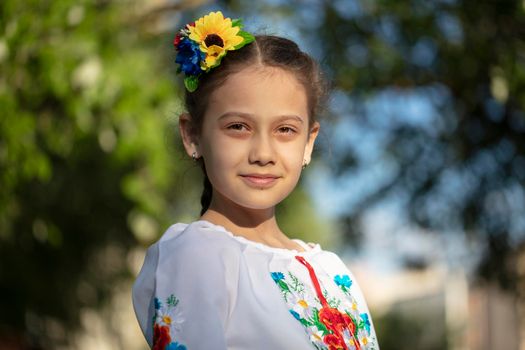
(258,205)
(256,199)
(261,201)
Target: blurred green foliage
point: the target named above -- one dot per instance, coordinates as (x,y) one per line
(87,164)
(90,161)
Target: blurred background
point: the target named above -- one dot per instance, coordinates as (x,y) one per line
(417,180)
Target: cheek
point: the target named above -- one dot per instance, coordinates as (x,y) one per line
(293,155)
(221,155)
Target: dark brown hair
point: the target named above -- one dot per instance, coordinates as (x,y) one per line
(266,50)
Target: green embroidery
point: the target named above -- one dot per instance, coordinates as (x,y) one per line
(297,285)
(172,300)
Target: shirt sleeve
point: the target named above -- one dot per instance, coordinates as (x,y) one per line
(185,292)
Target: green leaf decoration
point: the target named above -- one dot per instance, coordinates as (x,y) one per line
(248,38)
(237,22)
(191,83)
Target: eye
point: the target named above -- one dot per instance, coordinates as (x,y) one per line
(236,126)
(287,130)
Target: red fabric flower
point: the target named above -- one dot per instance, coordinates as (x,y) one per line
(178,37)
(161,337)
(177,40)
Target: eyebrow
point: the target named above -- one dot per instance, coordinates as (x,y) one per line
(253,117)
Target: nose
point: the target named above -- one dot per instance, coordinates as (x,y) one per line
(261,150)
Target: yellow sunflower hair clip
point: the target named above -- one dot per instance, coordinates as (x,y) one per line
(202,44)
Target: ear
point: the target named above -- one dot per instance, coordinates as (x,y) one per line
(187,133)
(314,131)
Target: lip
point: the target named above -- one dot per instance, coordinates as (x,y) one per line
(260,180)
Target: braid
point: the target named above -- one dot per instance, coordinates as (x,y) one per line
(206,193)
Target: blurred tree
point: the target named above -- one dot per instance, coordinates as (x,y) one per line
(465,169)
(86,170)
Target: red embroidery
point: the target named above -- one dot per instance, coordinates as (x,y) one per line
(332,318)
(161,337)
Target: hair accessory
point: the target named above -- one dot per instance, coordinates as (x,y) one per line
(202,44)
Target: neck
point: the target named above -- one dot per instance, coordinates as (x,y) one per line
(259,225)
(242,218)
(255,224)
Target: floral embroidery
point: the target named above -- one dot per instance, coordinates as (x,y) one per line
(343,281)
(166,321)
(328,328)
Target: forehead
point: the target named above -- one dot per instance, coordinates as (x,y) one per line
(263,91)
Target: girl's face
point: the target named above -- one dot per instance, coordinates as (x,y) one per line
(255,137)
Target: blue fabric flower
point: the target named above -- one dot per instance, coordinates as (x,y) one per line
(366,321)
(277,276)
(157,303)
(189,56)
(295,314)
(175,346)
(343,280)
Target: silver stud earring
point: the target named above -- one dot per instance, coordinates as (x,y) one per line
(194,156)
(304,163)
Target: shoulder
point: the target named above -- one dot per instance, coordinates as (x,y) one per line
(196,241)
(185,248)
(189,254)
(192,250)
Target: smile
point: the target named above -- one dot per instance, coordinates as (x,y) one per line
(260,181)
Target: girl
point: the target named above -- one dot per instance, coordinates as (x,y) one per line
(233,279)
